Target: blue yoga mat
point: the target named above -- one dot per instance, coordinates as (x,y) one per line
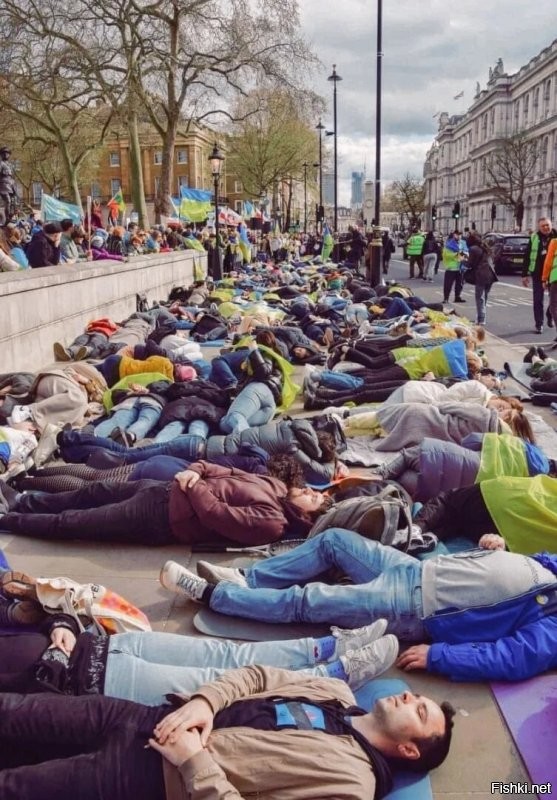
(407,785)
(3,563)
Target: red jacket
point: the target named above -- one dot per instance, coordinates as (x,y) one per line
(228,503)
(103,325)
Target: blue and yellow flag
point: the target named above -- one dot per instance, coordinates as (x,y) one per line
(195,204)
(328,243)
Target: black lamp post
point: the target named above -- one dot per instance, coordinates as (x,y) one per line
(305,165)
(375,277)
(335,79)
(320,127)
(215,159)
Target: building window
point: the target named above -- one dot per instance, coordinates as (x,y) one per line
(543,155)
(114,186)
(516,115)
(546,97)
(526,109)
(238,188)
(114,159)
(96,190)
(157,158)
(157,186)
(238,206)
(492,122)
(181,156)
(36,192)
(182,181)
(536,105)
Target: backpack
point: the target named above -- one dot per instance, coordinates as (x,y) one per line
(376,517)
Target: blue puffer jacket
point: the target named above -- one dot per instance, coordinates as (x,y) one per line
(512,640)
(444,466)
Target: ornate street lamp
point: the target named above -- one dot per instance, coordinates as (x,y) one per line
(335,78)
(216,160)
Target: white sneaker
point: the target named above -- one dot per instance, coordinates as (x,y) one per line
(370,661)
(355,638)
(182,581)
(213,574)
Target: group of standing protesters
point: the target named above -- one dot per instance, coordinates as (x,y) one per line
(156,443)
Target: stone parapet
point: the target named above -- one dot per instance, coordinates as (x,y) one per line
(41,306)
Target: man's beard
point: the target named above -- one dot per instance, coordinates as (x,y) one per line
(328,502)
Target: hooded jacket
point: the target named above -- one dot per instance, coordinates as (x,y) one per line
(228,505)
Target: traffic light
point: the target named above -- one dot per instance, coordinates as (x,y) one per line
(456,210)
(434,213)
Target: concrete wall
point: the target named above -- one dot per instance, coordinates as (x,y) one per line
(41,306)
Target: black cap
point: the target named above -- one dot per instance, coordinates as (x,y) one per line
(5,150)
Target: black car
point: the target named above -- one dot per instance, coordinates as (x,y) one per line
(508,250)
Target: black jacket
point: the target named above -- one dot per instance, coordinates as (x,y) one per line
(264,369)
(41,252)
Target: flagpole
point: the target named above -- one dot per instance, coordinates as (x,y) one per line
(376,240)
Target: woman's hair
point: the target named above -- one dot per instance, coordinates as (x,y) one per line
(268,339)
(14,235)
(520,426)
(473,362)
(118,231)
(4,245)
(78,233)
(287,469)
(327,446)
(512,402)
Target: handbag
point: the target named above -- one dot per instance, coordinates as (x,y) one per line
(91,606)
(469,275)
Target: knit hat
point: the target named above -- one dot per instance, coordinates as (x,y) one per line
(184,373)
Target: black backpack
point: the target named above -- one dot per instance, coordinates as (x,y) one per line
(330,423)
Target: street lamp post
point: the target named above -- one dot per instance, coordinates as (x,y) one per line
(376,240)
(320,127)
(305,165)
(551,197)
(335,78)
(215,159)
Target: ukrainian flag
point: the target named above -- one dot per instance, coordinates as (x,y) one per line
(195,204)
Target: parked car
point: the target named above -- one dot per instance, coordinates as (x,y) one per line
(508,250)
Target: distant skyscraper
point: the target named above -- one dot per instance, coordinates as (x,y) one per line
(357,189)
(328,188)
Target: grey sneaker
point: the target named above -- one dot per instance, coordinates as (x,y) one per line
(180,580)
(60,352)
(356,638)
(47,444)
(213,574)
(370,661)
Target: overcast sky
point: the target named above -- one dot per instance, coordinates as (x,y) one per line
(432,51)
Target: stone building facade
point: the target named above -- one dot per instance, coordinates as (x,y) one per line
(456,165)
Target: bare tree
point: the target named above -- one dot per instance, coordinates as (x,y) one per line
(509,169)
(407,196)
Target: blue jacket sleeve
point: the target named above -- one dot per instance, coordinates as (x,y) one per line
(473,441)
(528,652)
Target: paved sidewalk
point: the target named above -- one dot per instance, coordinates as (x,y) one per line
(482,751)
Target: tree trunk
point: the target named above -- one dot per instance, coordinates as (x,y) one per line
(288,220)
(163,198)
(71,171)
(136,167)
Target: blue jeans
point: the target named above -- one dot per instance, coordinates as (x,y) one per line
(144,667)
(254,406)
(387,584)
(77,447)
(481,293)
(197,427)
(137,420)
(339,380)
(397,308)
(226,369)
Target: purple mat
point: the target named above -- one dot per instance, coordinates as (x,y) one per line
(530,711)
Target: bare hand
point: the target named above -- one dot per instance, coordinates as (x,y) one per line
(413,658)
(186,479)
(195,714)
(526,281)
(186,745)
(62,639)
(492,541)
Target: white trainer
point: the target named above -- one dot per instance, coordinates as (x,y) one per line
(370,661)
(214,574)
(182,581)
(355,638)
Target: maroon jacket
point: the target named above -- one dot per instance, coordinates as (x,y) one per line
(228,503)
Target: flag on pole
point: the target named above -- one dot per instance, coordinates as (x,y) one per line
(195,204)
(118,201)
(53,210)
(328,243)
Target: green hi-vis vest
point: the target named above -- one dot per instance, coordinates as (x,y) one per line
(534,247)
(553,274)
(524,511)
(415,244)
(502,454)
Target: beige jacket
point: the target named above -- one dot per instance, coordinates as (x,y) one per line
(273,765)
